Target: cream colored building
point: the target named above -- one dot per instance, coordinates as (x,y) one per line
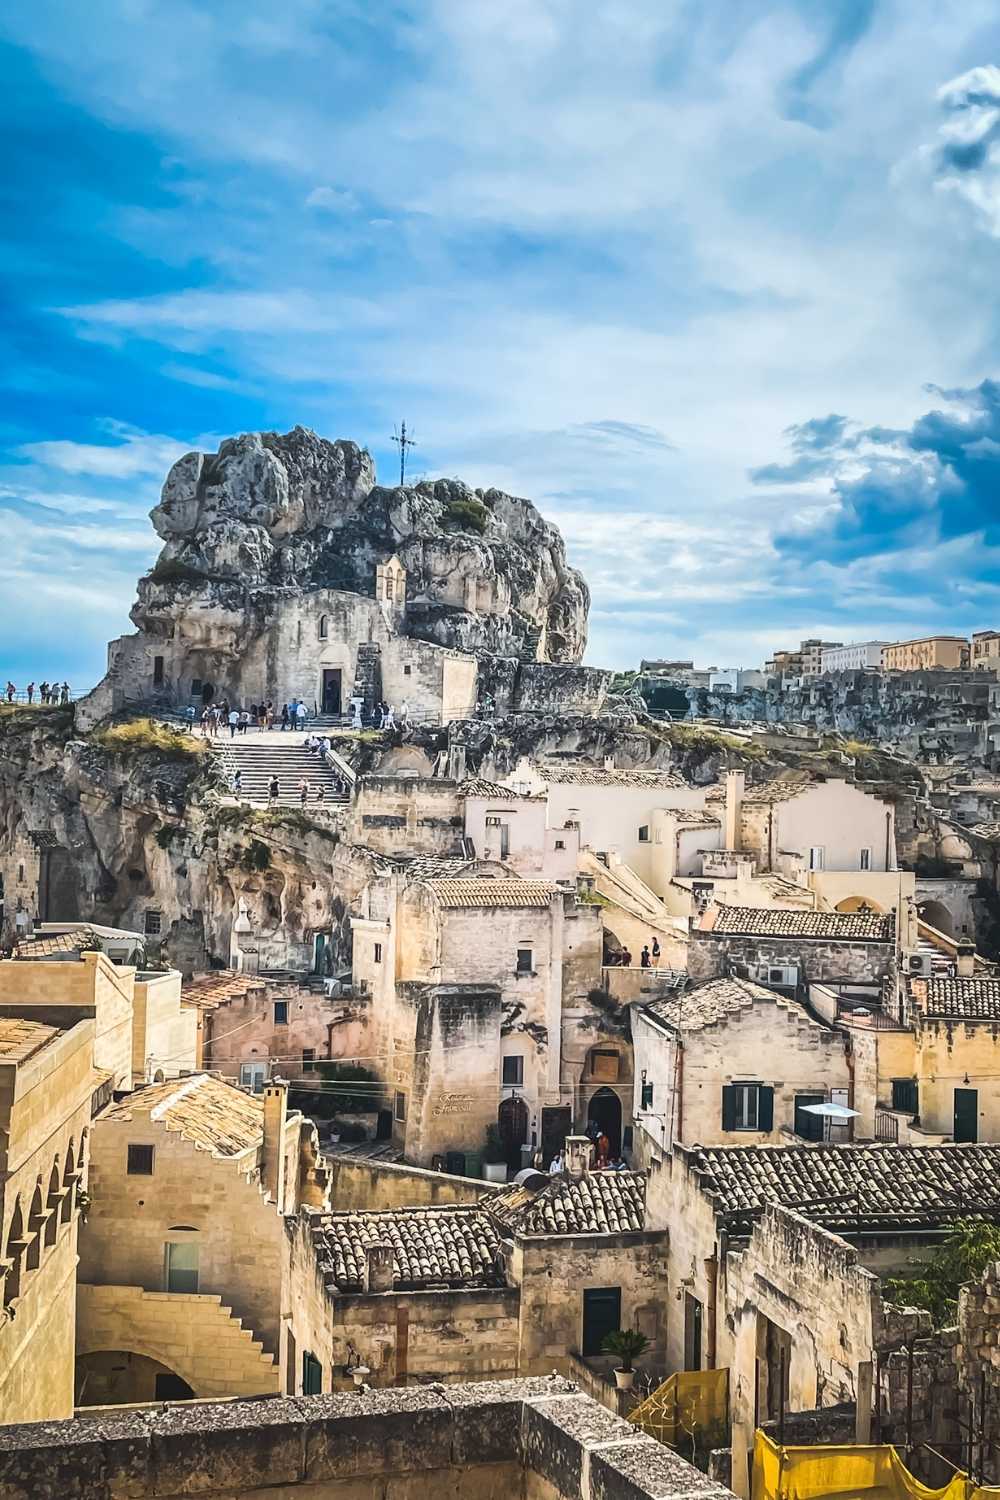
(985,655)
(184,1257)
(929,653)
(793,826)
(731,1062)
(47,1083)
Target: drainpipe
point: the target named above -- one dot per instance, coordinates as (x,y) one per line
(678,1091)
(888,836)
(712,1274)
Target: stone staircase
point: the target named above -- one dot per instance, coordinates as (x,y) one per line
(368,676)
(258,760)
(529,646)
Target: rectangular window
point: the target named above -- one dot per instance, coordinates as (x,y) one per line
(312,1375)
(525,961)
(182,1266)
(644,834)
(407,671)
(560,844)
(252,1076)
(195,687)
(866,859)
(602,1314)
(378,953)
(157,671)
(140,1161)
(747,1106)
(904,1095)
(513,1072)
(308,1059)
(400,1108)
(647,1096)
(816,857)
(281,1012)
(152,923)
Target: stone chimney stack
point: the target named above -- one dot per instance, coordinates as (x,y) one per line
(377,1274)
(579,1155)
(735,786)
(965,960)
(272,1167)
(609,763)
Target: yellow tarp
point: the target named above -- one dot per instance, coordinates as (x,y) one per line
(844,1473)
(688,1403)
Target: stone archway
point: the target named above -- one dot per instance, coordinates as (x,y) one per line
(117,1377)
(605,1111)
(936,915)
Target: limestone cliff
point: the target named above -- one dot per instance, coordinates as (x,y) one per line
(270,513)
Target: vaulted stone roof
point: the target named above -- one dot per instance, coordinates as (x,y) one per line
(458,893)
(597,1203)
(213,1115)
(453,1246)
(838,1186)
(972,998)
(770,921)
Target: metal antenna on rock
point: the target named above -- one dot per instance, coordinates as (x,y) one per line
(402,443)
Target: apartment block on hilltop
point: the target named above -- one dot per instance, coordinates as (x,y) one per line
(930,653)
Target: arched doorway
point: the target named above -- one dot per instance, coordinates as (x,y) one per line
(605,1111)
(512,1120)
(118,1377)
(207,692)
(936,915)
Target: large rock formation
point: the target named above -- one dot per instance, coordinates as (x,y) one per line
(271,513)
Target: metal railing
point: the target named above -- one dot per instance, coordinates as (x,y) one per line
(886,1127)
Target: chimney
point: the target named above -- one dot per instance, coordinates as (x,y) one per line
(609,763)
(456,761)
(965,960)
(272,1166)
(579,1155)
(735,783)
(377,1273)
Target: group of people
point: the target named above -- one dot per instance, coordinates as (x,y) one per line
(649,958)
(48,692)
(383,715)
(217,717)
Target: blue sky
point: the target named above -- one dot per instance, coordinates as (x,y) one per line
(715,283)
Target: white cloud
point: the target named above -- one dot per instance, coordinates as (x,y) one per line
(333,200)
(138,453)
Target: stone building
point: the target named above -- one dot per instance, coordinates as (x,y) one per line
(528,1280)
(481,1013)
(792,948)
(47,1088)
(287,572)
(184,1257)
(538,1438)
(929,654)
(731,1061)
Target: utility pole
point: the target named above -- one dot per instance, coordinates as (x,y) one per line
(402,443)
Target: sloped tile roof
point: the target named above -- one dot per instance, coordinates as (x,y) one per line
(456,893)
(435,866)
(597,1203)
(53,944)
(479,786)
(972,998)
(454,1246)
(890,1186)
(597,776)
(988,831)
(206,991)
(771,921)
(696,817)
(213,1115)
(782,789)
(716,1001)
(21,1039)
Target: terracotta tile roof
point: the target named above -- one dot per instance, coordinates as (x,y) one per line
(457,893)
(213,1115)
(597,776)
(206,991)
(889,1186)
(479,786)
(717,1001)
(454,1246)
(782,789)
(988,831)
(972,998)
(771,921)
(53,944)
(434,866)
(21,1039)
(598,1203)
(43,838)
(696,817)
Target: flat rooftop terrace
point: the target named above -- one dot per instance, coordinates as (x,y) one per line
(538,1439)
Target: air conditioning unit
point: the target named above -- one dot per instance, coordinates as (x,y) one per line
(919,965)
(785,975)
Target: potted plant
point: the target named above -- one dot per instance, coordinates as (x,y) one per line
(628,1344)
(494,1156)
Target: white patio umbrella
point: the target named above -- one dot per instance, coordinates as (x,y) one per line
(829,1112)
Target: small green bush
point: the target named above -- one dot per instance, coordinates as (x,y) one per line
(171,570)
(466,515)
(150,737)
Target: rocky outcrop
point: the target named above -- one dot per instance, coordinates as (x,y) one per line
(270,513)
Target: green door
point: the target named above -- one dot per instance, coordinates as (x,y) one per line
(966,1126)
(602,1314)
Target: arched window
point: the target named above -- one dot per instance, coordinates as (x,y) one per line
(14,1254)
(52,1204)
(322,627)
(36,1223)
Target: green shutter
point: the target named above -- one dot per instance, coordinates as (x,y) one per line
(765,1107)
(728,1107)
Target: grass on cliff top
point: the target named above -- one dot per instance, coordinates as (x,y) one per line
(15,718)
(149,737)
(704,738)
